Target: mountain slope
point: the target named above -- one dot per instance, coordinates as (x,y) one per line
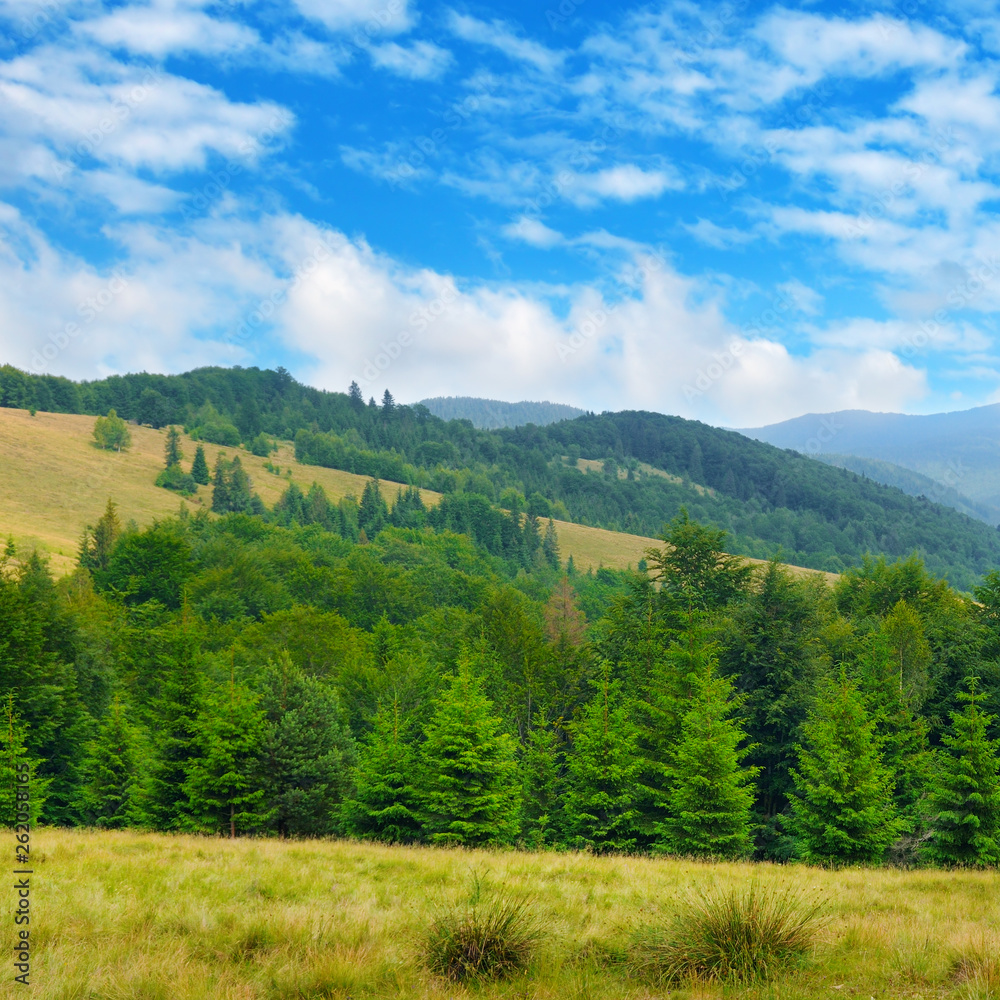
(490,414)
(628,472)
(916,484)
(960,450)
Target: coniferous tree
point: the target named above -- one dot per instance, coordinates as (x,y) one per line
(711,794)
(550,545)
(99,542)
(602,770)
(542,771)
(306,748)
(199,468)
(468,783)
(843,811)
(172,454)
(388,403)
(220,485)
(965,797)
(354,394)
(239,491)
(110,773)
(373,512)
(383,802)
(225,782)
(14,758)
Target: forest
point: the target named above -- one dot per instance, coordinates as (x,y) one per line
(374,670)
(629,471)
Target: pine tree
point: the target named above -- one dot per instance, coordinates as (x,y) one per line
(468,781)
(239,488)
(225,784)
(843,812)
(602,771)
(109,773)
(98,542)
(383,804)
(550,545)
(172,454)
(542,771)
(388,403)
(354,394)
(965,797)
(307,749)
(199,468)
(711,795)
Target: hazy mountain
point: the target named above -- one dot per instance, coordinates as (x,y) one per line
(914,483)
(960,450)
(489,414)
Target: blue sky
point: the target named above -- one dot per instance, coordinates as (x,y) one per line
(739,213)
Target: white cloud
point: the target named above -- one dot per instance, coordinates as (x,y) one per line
(371,18)
(418,61)
(167,27)
(622,182)
(498,35)
(721,237)
(533,232)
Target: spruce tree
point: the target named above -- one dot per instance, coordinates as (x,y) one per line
(965,796)
(15,762)
(550,545)
(307,749)
(172,454)
(373,512)
(542,771)
(383,804)
(602,772)
(468,782)
(109,773)
(354,394)
(199,468)
(843,811)
(711,794)
(225,784)
(220,486)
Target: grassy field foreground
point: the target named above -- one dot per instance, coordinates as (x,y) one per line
(154,917)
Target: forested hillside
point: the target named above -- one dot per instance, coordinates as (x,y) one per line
(627,471)
(311,669)
(489,414)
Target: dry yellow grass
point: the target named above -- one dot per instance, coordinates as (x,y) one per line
(148,916)
(55,482)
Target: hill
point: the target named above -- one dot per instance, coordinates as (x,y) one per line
(960,450)
(627,472)
(914,483)
(490,414)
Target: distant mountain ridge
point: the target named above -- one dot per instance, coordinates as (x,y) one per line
(960,450)
(492,414)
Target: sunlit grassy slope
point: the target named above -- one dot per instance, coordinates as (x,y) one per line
(156,917)
(53,482)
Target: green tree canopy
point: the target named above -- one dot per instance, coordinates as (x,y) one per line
(111,432)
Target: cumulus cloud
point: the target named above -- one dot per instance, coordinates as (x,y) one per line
(417,61)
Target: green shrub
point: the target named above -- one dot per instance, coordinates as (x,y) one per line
(174,478)
(732,937)
(492,936)
(216,432)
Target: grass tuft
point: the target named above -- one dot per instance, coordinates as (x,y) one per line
(976,971)
(736,937)
(491,936)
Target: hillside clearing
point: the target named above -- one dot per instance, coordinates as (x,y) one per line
(55,482)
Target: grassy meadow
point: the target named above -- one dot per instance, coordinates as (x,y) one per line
(132,916)
(55,482)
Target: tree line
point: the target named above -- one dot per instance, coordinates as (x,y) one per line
(263,673)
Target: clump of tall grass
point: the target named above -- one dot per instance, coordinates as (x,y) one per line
(977,971)
(738,936)
(491,936)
